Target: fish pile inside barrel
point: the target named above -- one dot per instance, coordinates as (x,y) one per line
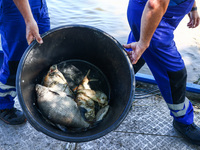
(73,95)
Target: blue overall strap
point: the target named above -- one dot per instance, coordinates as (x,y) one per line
(163,58)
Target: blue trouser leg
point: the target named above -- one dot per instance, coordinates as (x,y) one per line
(163,58)
(13,38)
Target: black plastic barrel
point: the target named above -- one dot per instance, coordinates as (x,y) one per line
(83,43)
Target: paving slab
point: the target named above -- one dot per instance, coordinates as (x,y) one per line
(148,126)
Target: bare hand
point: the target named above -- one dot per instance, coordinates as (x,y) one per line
(194,19)
(137,51)
(32,32)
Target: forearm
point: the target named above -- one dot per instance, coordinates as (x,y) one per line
(194,17)
(152,15)
(24,8)
(32,31)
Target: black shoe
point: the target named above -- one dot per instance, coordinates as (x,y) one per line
(12,116)
(189,132)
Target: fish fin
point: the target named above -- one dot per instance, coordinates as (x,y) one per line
(83,111)
(88,73)
(71,96)
(54,92)
(102,113)
(74,89)
(94,80)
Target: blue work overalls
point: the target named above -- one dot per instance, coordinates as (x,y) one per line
(163,58)
(13,39)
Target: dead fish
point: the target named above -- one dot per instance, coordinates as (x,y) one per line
(59,108)
(53,75)
(84,102)
(86,106)
(97,96)
(55,79)
(85,98)
(101,113)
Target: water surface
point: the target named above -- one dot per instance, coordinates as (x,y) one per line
(107,15)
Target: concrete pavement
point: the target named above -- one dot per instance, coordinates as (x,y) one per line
(148,126)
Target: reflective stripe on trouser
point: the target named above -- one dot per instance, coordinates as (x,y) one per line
(13,38)
(179,110)
(162,57)
(7,94)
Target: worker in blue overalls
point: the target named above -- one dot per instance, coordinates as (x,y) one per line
(152,24)
(19,20)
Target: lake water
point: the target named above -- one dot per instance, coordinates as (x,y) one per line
(110,16)
(107,15)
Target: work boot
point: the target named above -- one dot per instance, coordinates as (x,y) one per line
(189,132)
(12,116)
